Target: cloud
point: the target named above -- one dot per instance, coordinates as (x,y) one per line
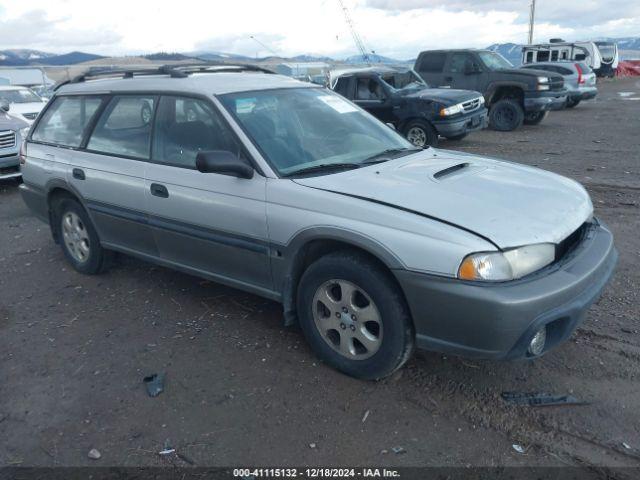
(568,13)
(34,29)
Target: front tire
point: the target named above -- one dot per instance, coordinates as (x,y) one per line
(421,134)
(534,118)
(354,316)
(571,103)
(78,238)
(506,115)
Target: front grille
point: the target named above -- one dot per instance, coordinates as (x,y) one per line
(557,83)
(30,116)
(471,105)
(571,242)
(7,139)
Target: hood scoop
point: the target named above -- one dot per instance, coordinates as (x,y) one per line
(449,171)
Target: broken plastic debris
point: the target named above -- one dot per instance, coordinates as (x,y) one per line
(94,454)
(364,418)
(626,445)
(518,448)
(540,399)
(167,451)
(154,384)
(398,450)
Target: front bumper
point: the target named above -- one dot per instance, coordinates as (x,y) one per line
(544,100)
(9,165)
(497,321)
(468,122)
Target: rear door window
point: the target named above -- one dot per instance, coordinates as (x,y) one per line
(342,86)
(433,62)
(124,129)
(65,121)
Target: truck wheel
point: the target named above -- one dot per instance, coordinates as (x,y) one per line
(457,137)
(354,316)
(78,238)
(534,118)
(572,103)
(421,134)
(506,115)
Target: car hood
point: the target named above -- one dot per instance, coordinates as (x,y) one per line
(446,96)
(31,107)
(530,72)
(509,204)
(9,122)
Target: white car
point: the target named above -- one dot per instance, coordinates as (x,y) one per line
(25,103)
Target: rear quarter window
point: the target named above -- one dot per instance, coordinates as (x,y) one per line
(65,121)
(432,62)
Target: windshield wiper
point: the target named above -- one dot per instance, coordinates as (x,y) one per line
(322,167)
(391,153)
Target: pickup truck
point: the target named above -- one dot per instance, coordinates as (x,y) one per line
(398,96)
(514,96)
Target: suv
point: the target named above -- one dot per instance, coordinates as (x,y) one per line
(25,103)
(287,190)
(512,95)
(579,79)
(398,96)
(12,131)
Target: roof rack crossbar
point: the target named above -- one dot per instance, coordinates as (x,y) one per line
(173,71)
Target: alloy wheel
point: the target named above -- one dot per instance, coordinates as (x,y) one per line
(76,237)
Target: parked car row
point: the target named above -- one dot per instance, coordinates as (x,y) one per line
(450,93)
(290,191)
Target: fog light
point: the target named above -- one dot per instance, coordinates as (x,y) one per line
(537,342)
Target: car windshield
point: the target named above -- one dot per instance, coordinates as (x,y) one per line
(403,80)
(22,95)
(311,129)
(494,61)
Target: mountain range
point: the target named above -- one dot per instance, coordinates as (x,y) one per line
(629,48)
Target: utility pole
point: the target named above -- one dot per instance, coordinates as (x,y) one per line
(532,17)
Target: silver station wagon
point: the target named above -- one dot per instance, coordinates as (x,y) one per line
(289,191)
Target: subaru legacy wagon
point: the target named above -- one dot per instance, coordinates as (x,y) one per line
(287,190)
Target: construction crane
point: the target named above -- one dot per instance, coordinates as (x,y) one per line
(356,38)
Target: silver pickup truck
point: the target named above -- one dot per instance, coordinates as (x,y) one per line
(288,190)
(12,132)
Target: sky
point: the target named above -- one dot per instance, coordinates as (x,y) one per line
(393,28)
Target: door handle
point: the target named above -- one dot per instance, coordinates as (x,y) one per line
(158,190)
(78,173)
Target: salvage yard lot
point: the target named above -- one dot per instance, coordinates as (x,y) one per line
(241,389)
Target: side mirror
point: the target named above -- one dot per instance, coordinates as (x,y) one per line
(224,163)
(4,105)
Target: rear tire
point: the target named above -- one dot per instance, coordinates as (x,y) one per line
(421,134)
(534,118)
(78,238)
(506,115)
(354,316)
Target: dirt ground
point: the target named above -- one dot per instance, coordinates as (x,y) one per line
(243,390)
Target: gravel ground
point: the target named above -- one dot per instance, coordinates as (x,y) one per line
(241,389)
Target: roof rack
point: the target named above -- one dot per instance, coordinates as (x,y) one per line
(173,71)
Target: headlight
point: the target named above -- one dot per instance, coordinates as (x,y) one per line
(481,100)
(452,110)
(508,265)
(543,83)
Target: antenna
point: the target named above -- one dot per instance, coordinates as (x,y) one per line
(532,16)
(356,38)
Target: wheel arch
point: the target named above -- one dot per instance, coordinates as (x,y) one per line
(55,190)
(508,90)
(310,245)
